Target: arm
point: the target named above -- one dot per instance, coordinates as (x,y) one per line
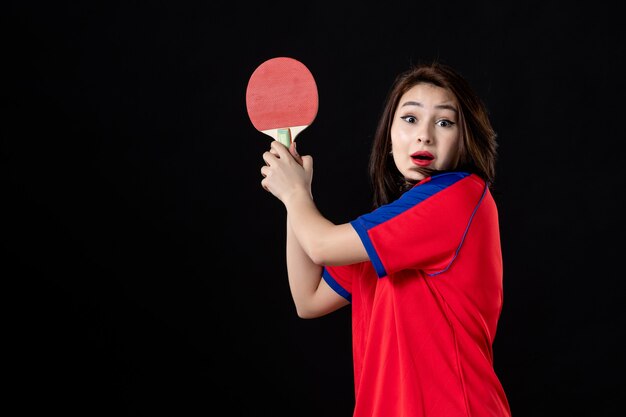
(311,294)
(287,172)
(322,241)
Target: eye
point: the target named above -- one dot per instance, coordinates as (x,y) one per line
(445,123)
(409,119)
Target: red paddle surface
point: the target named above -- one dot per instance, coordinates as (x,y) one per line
(281,93)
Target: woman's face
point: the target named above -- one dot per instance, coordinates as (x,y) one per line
(425,132)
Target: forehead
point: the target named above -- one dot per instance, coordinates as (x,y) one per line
(428,95)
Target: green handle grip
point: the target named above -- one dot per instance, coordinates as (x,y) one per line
(284,137)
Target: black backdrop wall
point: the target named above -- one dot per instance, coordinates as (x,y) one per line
(144,264)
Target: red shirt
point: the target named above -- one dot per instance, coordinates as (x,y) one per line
(425,307)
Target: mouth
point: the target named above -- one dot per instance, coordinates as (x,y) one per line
(422,158)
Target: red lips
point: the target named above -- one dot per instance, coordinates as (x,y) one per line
(422,158)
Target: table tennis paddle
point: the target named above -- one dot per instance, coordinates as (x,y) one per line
(281,98)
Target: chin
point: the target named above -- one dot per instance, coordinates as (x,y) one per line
(415,175)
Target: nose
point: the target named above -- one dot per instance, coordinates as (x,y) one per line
(424,139)
(424,134)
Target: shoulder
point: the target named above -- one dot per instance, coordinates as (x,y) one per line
(446,179)
(445,184)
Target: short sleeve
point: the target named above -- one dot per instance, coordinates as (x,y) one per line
(341,277)
(425,227)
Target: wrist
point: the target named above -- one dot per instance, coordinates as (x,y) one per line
(298,196)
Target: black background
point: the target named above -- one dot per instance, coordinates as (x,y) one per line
(144,264)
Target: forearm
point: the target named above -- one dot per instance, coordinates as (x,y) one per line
(311,294)
(309,227)
(303,274)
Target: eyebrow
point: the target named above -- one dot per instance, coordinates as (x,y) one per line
(439,106)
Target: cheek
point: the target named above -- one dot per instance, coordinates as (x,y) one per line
(393,132)
(399,137)
(451,153)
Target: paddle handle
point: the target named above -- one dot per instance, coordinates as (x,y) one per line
(284,136)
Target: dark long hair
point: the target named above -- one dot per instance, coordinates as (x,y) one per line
(478,139)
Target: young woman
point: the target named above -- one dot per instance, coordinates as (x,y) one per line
(423,270)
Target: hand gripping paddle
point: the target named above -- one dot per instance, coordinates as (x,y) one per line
(281,98)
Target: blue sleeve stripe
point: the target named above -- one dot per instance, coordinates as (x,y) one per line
(410,199)
(369,247)
(335,285)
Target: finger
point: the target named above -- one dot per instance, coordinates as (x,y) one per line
(307,163)
(294,152)
(264,186)
(281,150)
(269,157)
(265,170)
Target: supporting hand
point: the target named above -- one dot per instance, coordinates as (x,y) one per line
(285,171)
